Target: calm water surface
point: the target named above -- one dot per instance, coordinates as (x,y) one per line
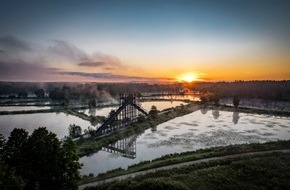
(56,122)
(200,129)
(161,105)
(23,108)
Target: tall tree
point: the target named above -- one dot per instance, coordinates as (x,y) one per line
(153,112)
(74,131)
(92,103)
(236,101)
(2,144)
(39,93)
(14,146)
(70,165)
(42,157)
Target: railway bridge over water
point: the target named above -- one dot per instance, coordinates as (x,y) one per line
(128,112)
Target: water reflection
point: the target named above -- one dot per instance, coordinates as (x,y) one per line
(203,110)
(236,117)
(187,133)
(92,111)
(154,128)
(126,147)
(216,113)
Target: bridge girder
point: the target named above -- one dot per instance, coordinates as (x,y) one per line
(125,101)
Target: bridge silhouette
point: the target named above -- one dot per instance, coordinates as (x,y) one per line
(127,113)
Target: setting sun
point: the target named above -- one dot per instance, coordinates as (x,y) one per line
(187,77)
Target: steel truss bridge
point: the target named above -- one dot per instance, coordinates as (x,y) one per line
(127,113)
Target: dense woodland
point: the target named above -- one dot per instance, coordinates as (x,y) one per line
(275,90)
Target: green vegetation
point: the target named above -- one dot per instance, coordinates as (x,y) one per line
(39,93)
(191,156)
(93,119)
(74,131)
(153,112)
(92,103)
(236,101)
(29,111)
(268,171)
(245,110)
(38,161)
(91,145)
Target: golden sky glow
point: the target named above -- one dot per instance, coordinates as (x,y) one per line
(142,41)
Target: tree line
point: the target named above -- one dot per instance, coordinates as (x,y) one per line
(38,161)
(274,90)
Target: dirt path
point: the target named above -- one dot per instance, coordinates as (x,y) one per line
(178,165)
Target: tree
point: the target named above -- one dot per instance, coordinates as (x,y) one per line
(2,144)
(8,179)
(74,131)
(39,93)
(70,165)
(92,103)
(22,94)
(46,163)
(112,112)
(57,94)
(236,101)
(14,146)
(153,112)
(216,99)
(42,157)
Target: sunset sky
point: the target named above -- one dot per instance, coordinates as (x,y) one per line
(144,41)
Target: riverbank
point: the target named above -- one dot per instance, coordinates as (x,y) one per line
(188,158)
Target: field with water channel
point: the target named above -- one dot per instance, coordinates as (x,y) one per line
(58,122)
(200,129)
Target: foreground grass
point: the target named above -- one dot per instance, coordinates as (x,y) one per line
(191,156)
(269,171)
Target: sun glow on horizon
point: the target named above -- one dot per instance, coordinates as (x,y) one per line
(187,77)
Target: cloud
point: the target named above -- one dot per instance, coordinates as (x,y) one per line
(92,64)
(13,44)
(65,50)
(101,75)
(23,61)
(108,60)
(115,78)
(24,71)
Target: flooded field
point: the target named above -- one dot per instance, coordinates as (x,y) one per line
(23,108)
(56,122)
(161,105)
(200,129)
(192,97)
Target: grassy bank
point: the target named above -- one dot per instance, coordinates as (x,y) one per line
(191,156)
(268,171)
(245,110)
(30,111)
(93,119)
